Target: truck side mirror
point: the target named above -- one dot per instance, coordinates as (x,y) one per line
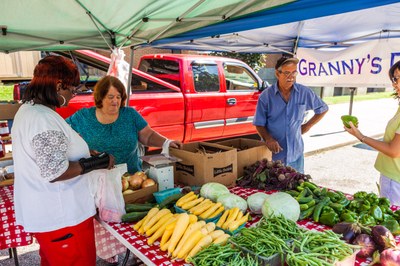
(264,85)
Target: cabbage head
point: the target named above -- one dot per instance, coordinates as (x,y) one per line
(213,190)
(256,202)
(230,201)
(281,203)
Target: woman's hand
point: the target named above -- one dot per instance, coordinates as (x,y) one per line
(354,131)
(176,144)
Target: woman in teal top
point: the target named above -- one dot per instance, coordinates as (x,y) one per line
(113,128)
(110,127)
(388,160)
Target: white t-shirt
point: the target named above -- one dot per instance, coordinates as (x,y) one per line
(43,145)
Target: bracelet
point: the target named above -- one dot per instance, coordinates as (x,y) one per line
(363,138)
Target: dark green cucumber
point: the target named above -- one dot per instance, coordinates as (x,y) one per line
(132,217)
(138,207)
(170,200)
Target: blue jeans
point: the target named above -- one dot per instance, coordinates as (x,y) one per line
(298,164)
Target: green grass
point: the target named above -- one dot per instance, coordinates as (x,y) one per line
(6,93)
(369,96)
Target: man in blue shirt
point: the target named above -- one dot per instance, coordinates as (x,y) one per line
(280,112)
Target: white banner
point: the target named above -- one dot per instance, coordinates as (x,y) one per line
(362,65)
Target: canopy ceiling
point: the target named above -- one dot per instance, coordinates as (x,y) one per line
(47,25)
(304,23)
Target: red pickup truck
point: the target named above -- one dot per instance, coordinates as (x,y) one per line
(185,97)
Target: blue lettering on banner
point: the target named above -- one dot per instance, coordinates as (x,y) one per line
(344,67)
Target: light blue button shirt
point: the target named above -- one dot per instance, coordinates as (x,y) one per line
(283,120)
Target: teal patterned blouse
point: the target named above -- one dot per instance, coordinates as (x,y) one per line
(119,138)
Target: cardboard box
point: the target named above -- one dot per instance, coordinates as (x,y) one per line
(218,164)
(141,195)
(249,151)
(8,110)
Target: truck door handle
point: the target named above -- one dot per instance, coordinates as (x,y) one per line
(231,101)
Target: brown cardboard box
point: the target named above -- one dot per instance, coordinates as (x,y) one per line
(141,195)
(8,110)
(249,151)
(218,164)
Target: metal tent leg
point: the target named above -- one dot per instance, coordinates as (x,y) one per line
(13,253)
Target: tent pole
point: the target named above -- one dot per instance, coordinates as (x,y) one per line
(352,90)
(128,86)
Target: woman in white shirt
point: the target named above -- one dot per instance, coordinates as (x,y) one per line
(52,164)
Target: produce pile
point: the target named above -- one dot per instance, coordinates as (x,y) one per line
(277,240)
(331,207)
(271,175)
(213,216)
(134,182)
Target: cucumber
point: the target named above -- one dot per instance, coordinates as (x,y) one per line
(133,217)
(170,200)
(138,207)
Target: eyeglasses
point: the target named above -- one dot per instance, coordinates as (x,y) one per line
(395,80)
(288,74)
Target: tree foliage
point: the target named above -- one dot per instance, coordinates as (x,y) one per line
(255,61)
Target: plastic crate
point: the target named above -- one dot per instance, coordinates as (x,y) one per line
(162,195)
(230,232)
(214,219)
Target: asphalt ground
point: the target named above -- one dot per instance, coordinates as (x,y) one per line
(333,158)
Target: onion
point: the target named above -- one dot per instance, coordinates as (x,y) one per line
(367,245)
(141,174)
(148,183)
(135,181)
(390,257)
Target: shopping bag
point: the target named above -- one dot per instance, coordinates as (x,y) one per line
(119,68)
(108,196)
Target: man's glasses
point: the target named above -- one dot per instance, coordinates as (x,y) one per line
(395,80)
(288,74)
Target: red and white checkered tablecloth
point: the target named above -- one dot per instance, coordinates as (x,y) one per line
(153,254)
(11,235)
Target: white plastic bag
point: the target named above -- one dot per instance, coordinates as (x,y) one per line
(119,68)
(108,193)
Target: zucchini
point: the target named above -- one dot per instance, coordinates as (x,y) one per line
(170,200)
(133,216)
(138,207)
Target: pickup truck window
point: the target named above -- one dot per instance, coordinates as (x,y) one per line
(205,77)
(167,70)
(239,78)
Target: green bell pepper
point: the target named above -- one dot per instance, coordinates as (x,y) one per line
(348,216)
(392,225)
(329,218)
(360,195)
(376,212)
(366,219)
(349,118)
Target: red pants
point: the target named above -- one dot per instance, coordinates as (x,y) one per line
(68,246)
